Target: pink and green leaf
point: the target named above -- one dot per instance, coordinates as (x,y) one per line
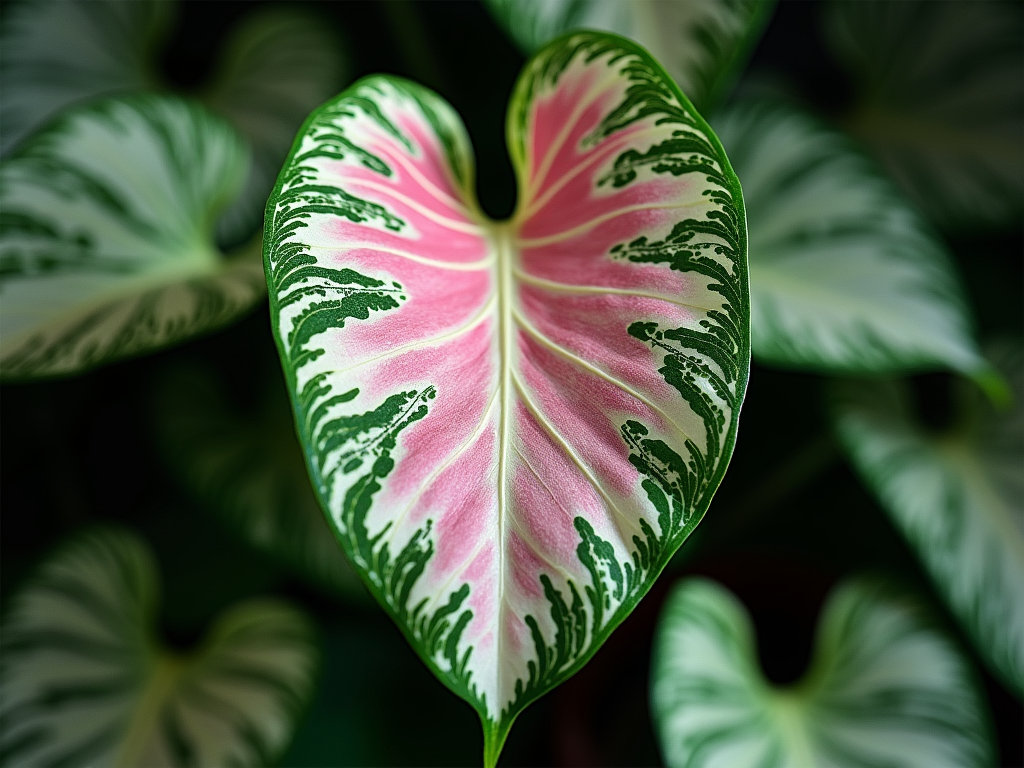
(512,426)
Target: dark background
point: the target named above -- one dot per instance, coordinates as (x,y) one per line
(789,521)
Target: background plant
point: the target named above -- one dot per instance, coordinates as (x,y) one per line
(92,448)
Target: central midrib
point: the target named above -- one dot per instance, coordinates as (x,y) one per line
(502,236)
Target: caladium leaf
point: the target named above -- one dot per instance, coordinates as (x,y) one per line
(940,100)
(106,238)
(513,425)
(957,495)
(844,275)
(277,64)
(701,44)
(247,466)
(84,681)
(885,687)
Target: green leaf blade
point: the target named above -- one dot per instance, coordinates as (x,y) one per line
(84,682)
(885,687)
(845,277)
(106,243)
(957,497)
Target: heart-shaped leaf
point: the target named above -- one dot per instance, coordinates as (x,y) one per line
(247,466)
(513,425)
(844,275)
(106,237)
(83,680)
(885,687)
(276,65)
(957,495)
(702,45)
(940,100)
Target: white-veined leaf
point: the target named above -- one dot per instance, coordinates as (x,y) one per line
(84,681)
(957,495)
(885,687)
(276,65)
(701,43)
(247,466)
(940,100)
(106,239)
(513,425)
(844,276)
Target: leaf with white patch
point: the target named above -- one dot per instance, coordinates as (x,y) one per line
(246,465)
(956,494)
(885,687)
(276,65)
(844,276)
(702,43)
(940,100)
(83,680)
(513,425)
(106,236)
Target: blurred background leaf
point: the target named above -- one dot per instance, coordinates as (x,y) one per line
(85,681)
(884,687)
(246,465)
(844,275)
(940,100)
(57,53)
(277,64)
(702,45)
(956,491)
(106,242)
(790,520)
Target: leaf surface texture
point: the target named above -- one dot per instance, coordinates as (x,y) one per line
(513,425)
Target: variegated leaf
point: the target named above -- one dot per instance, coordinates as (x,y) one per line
(885,687)
(277,65)
(246,465)
(83,680)
(940,100)
(106,236)
(701,43)
(957,495)
(513,425)
(844,276)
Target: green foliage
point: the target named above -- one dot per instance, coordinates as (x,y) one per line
(115,207)
(940,101)
(885,687)
(702,45)
(844,275)
(274,68)
(85,681)
(957,494)
(246,466)
(106,235)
